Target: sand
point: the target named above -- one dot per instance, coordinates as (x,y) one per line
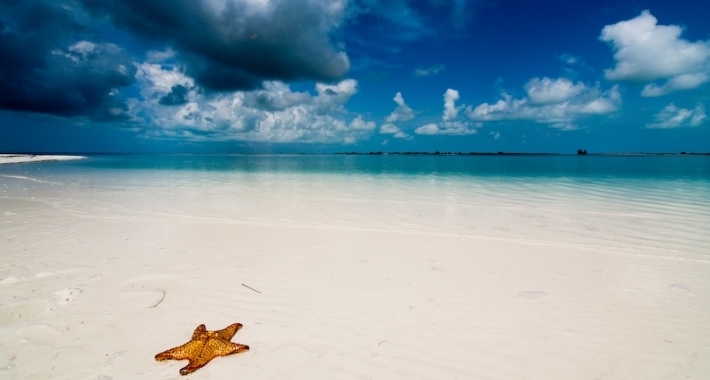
(19,158)
(356,279)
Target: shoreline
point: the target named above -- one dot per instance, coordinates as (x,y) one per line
(352,276)
(22,158)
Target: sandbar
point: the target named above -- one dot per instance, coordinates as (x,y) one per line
(20,158)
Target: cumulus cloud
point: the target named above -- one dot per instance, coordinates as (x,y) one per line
(450,109)
(400,114)
(395,131)
(273,113)
(674,117)
(676,83)
(228,45)
(647,52)
(429,129)
(276,96)
(451,123)
(556,102)
(331,98)
(549,91)
(427,71)
(43,70)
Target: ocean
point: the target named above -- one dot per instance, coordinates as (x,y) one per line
(636,203)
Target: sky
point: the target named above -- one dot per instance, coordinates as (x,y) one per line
(324,76)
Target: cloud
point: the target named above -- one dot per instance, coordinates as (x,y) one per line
(556,102)
(398,21)
(433,70)
(276,96)
(450,109)
(395,131)
(400,114)
(175,97)
(570,59)
(274,113)
(495,134)
(429,129)
(331,98)
(674,117)
(42,71)
(228,45)
(451,123)
(647,52)
(676,83)
(548,91)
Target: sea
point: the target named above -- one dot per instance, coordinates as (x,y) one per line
(656,205)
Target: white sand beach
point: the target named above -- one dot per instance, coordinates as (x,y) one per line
(19,158)
(352,277)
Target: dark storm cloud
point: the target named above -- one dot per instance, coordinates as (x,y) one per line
(44,69)
(236,45)
(176,97)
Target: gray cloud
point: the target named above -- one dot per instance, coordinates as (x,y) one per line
(176,96)
(235,45)
(43,69)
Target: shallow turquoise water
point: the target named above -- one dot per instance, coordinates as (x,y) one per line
(656,203)
(694,168)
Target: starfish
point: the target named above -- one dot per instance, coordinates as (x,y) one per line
(204,346)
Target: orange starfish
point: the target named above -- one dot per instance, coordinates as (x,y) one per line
(204,346)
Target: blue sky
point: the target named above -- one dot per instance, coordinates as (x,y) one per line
(358,75)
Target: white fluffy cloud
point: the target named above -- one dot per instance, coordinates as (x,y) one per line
(549,91)
(400,114)
(274,113)
(450,109)
(395,131)
(674,117)
(648,52)
(556,102)
(451,123)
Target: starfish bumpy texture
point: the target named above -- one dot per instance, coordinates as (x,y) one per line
(204,346)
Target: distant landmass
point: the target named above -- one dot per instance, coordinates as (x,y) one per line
(579,152)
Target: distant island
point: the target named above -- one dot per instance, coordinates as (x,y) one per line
(581,152)
(437,153)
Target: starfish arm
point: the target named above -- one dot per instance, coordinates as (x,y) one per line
(199,331)
(239,348)
(181,352)
(228,333)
